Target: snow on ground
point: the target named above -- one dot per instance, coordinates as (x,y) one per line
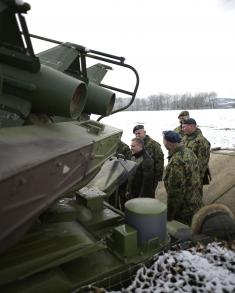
(196,270)
(217,125)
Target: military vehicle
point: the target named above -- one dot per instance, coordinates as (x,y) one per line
(57,231)
(58,167)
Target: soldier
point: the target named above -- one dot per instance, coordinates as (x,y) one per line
(182,116)
(124,150)
(153,148)
(140,183)
(194,140)
(181,180)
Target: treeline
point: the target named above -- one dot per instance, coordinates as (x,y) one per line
(164,101)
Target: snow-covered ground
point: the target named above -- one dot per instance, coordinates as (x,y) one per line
(217,125)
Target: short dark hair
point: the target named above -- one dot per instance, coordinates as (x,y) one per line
(190,121)
(137,127)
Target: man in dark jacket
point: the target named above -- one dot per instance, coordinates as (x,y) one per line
(181,180)
(141,182)
(153,148)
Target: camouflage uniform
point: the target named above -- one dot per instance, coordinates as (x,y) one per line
(179,130)
(182,183)
(140,183)
(124,149)
(201,148)
(153,148)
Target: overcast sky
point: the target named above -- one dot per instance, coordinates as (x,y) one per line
(177,46)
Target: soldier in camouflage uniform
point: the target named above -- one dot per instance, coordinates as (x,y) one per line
(181,180)
(140,183)
(182,116)
(124,150)
(194,140)
(153,148)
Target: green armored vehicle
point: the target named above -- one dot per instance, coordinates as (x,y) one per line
(58,167)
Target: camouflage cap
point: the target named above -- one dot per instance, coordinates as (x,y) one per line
(137,127)
(183,113)
(190,121)
(171,136)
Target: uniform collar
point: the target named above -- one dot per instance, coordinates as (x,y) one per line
(139,154)
(176,150)
(146,138)
(194,134)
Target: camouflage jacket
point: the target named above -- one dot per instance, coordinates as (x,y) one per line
(179,130)
(153,148)
(182,183)
(124,149)
(201,148)
(140,183)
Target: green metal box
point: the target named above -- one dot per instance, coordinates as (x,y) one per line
(125,240)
